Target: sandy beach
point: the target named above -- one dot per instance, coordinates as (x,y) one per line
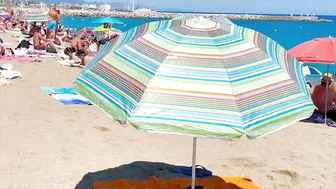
(47,145)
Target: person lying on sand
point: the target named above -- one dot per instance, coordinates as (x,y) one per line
(37,41)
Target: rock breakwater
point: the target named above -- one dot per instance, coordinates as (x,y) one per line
(163,15)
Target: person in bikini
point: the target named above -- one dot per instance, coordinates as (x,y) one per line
(37,38)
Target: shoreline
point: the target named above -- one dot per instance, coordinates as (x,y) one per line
(168,15)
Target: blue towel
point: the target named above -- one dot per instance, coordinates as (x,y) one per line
(66,96)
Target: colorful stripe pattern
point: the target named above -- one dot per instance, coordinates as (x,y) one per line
(197,77)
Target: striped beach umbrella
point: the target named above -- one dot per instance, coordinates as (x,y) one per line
(197,77)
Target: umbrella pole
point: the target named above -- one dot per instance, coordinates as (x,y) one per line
(193,173)
(326,103)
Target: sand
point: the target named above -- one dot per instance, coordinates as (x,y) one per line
(44,144)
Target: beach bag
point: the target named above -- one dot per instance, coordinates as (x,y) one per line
(23,44)
(51,50)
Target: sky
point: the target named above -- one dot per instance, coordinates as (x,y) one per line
(252,6)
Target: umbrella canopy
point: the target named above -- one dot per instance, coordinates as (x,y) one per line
(113,21)
(322,50)
(309,70)
(314,71)
(197,77)
(4,15)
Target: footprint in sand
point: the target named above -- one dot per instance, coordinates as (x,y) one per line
(293,176)
(104,129)
(246,162)
(288,173)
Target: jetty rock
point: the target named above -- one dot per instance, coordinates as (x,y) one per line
(164,15)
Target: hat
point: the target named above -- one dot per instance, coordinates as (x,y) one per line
(327,78)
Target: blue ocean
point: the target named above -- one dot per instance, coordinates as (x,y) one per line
(286,33)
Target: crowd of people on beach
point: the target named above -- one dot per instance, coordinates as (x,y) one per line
(80,46)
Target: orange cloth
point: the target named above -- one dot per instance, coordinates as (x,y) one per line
(156,183)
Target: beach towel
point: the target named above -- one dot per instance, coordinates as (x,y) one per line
(179,183)
(70,63)
(66,96)
(40,53)
(319,118)
(19,58)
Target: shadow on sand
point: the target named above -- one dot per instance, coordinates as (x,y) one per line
(139,170)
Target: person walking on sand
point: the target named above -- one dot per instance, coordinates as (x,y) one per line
(37,38)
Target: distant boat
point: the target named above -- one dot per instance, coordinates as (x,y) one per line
(144,10)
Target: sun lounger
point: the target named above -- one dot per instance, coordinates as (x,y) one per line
(13,32)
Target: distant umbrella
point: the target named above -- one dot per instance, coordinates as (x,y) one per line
(5,16)
(113,21)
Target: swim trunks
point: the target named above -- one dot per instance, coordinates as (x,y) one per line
(40,47)
(52,25)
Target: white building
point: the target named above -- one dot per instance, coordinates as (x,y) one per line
(106,7)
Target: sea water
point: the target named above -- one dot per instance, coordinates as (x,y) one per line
(286,33)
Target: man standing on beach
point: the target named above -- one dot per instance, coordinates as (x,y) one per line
(52,25)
